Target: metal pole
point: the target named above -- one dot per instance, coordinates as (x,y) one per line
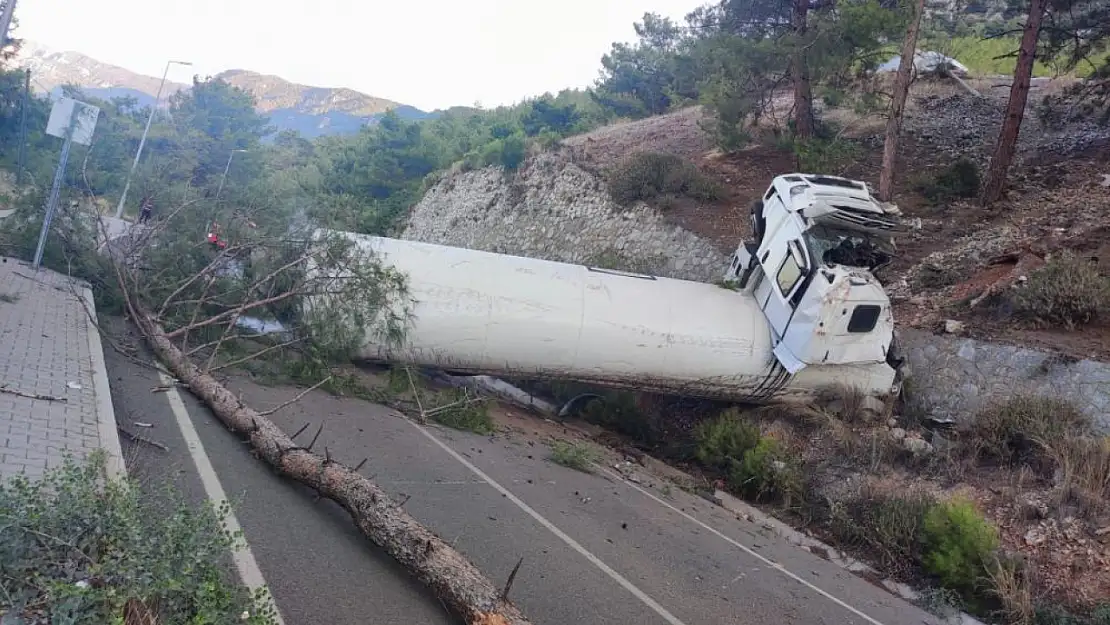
(223,179)
(23,130)
(55,191)
(6,21)
(142,141)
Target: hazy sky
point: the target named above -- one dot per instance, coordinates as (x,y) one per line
(428,53)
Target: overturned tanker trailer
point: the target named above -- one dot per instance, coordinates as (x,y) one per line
(799,309)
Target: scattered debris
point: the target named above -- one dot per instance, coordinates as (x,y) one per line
(11,391)
(131,436)
(951,326)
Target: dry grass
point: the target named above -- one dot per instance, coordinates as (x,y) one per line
(651,175)
(1011,584)
(1019,429)
(676,133)
(851,405)
(1084,465)
(887,524)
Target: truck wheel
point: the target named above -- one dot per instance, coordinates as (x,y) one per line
(759,224)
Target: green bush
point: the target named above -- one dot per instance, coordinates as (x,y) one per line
(577,456)
(460,411)
(961,179)
(885,524)
(766,473)
(75,548)
(723,441)
(648,175)
(1017,429)
(1067,291)
(508,152)
(754,466)
(959,545)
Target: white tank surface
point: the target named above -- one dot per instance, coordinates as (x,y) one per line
(480,312)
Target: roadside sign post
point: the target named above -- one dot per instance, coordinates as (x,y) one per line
(72,121)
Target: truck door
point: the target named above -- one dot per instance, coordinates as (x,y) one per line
(786,266)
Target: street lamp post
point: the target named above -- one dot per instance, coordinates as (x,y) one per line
(223,179)
(142,141)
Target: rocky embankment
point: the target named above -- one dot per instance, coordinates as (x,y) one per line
(555,210)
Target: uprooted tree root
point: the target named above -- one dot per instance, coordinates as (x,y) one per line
(450,575)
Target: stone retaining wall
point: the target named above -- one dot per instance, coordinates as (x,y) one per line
(955,376)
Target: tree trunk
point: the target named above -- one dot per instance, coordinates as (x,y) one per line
(898,104)
(1015,110)
(439,566)
(799,72)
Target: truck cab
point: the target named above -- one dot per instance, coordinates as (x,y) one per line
(817,241)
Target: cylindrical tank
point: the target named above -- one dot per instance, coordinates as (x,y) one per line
(507,315)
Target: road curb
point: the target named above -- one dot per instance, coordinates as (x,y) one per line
(750,513)
(105,411)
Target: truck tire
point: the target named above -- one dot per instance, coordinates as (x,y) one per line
(758,222)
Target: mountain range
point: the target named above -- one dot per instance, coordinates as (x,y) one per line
(310,111)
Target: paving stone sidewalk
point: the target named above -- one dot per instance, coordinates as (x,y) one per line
(54,395)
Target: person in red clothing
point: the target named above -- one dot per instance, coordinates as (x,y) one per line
(214,236)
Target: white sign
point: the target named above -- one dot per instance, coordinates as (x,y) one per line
(66,111)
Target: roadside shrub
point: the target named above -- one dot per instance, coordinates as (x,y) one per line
(1067,291)
(75,548)
(754,466)
(888,525)
(1020,428)
(961,179)
(723,441)
(766,473)
(648,175)
(577,456)
(959,545)
(460,411)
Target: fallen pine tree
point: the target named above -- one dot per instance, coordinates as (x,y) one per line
(449,574)
(167,281)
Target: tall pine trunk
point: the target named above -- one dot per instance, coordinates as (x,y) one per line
(799,72)
(898,104)
(1015,110)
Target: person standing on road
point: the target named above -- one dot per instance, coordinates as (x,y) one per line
(146,209)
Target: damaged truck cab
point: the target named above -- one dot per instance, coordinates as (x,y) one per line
(817,241)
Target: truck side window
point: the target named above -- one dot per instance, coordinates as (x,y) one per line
(864,318)
(790,273)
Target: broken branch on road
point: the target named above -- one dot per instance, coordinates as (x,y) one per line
(131,436)
(4,388)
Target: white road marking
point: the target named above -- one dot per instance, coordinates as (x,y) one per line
(243,558)
(573,544)
(746,549)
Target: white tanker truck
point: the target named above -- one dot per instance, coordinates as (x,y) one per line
(799,308)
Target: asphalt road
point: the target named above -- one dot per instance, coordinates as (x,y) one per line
(596,548)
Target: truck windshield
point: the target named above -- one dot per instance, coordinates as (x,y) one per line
(833,246)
